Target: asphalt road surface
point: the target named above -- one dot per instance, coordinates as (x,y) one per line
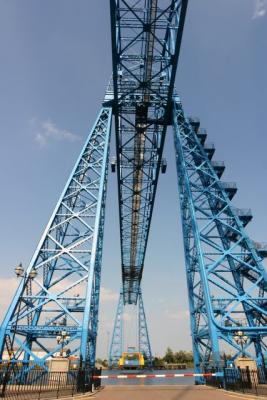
(179,392)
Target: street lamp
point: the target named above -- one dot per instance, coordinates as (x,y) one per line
(63,339)
(241,338)
(19,271)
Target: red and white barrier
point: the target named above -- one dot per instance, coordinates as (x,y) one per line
(152,376)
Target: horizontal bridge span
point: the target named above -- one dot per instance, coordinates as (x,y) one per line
(146,40)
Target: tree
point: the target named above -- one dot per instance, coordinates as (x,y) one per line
(169,356)
(158,362)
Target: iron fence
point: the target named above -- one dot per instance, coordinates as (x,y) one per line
(242,380)
(25,383)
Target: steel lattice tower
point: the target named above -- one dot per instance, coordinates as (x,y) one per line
(117,341)
(116,345)
(226,279)
(64,296)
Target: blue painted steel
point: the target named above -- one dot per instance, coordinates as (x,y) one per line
(146,39)
(143,337)
(227,282)
(64,295)
(116,346)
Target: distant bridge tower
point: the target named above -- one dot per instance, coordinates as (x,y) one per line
(117,341)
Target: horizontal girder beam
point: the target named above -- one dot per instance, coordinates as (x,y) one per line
(146,40)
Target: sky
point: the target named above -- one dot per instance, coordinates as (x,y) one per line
(55,65)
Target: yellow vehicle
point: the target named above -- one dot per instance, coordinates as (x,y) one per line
(132,360)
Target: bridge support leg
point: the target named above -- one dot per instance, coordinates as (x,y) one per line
(143,337)
(225,277)
(116,345)
(55,308)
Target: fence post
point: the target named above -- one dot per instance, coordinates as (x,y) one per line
(90,380)
(248,377)
(58,385)
(5,381)
(255,380)
(74,380)
(224,378)
(97,381)
(80,380)
(241,379)
(41,381)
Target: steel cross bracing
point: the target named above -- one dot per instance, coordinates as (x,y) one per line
(146,39)
(64,295)
(227,283)
(117,345)
(143,337)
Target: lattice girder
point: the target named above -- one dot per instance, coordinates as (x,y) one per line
(146,39)
(226,278)
(64,295)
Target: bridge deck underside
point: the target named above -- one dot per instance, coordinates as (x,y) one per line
(146,37)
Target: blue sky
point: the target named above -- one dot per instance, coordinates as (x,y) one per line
(55,65)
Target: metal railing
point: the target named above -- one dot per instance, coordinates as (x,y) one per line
(39,384)
(242,380)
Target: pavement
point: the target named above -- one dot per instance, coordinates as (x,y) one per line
(172,392)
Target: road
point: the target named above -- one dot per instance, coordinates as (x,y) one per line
(179,392)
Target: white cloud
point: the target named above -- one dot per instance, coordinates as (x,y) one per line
(8,287)
(260,8)
(107,295)
(47,131)
(178,315)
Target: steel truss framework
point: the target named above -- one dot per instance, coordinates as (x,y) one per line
(117,342)
(146,39)
(226,280)
(64,296)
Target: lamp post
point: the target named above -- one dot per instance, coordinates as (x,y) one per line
(27,280)
(63,339)
(20,272)
(241,339)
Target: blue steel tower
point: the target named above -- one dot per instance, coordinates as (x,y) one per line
(60,289)
(226,279)
(227,282)
(117,341)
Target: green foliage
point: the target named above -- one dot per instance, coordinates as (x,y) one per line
(179,357)
(158,362)
(169,356)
